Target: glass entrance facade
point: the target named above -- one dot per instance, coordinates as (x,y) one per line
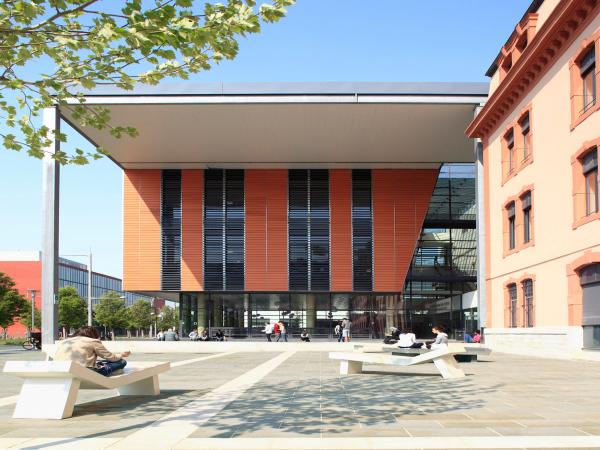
(245,314)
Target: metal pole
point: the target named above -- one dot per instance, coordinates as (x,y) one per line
(32,309)
(50,225)
(90,290)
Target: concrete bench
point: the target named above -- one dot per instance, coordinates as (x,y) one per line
(443,358)
(470,353)
(50,388)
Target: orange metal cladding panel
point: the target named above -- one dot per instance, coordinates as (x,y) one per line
(192,195)
(266,199)
(340,194)
(141,230)
(400,202)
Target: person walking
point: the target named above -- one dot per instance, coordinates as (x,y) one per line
(346,324)
(283,331)
(268,331)
(277,331)
(338,331)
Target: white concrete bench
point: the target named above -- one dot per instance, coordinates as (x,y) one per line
(50,388)
(472,350)
(443,358)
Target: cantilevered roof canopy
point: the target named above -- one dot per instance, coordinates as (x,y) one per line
(238,125)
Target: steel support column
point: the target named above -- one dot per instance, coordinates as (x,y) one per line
(50,228)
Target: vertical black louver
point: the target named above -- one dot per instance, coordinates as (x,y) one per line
(214,229)
(234,230)
(224,230)
(319,229)
(308,224)
(170,226)
(362,231)
(298,229)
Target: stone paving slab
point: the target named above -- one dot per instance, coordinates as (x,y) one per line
(104,413)
(505,397)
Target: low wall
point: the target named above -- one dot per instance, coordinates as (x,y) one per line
(548,342)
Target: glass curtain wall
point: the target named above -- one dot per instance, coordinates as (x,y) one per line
(444,264)
(246,314)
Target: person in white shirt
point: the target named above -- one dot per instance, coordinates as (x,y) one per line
(268,331)
(407,339)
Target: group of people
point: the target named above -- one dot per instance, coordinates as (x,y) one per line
(407,339)
(279,330)
(201,334)
(473,338)
(170,334)
(342,330)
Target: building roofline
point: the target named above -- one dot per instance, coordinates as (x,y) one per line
(533,7)
(475,89)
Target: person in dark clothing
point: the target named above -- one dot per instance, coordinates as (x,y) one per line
(304,336)
(219,335)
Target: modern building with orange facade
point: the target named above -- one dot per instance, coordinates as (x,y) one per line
(249,203)
(540,132)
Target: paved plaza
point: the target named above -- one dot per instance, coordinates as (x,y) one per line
(295,399)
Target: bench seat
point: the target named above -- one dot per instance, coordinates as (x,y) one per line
(50,388)
(443,358)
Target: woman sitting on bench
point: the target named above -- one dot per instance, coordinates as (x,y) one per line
(441,338)
(85,347)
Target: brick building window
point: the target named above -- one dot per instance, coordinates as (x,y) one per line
(510,145)
(512,305)
(512,241)
(526,136)
(590,174)
(586,201)
(528,310)
(526,207)
(587,69)
(584,79)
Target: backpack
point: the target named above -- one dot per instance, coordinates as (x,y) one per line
(276,328)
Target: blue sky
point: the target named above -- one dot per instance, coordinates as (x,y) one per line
(319,40)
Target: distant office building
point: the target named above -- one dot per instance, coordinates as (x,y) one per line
(540,132)
(24,267)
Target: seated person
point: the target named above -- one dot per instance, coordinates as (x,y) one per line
(193,335)
(441,339)
(204,336)
(477,337)
(407,339)
(170,335)
(304,336)
(219,335)
(468,338)
(394,336)
(85,348)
